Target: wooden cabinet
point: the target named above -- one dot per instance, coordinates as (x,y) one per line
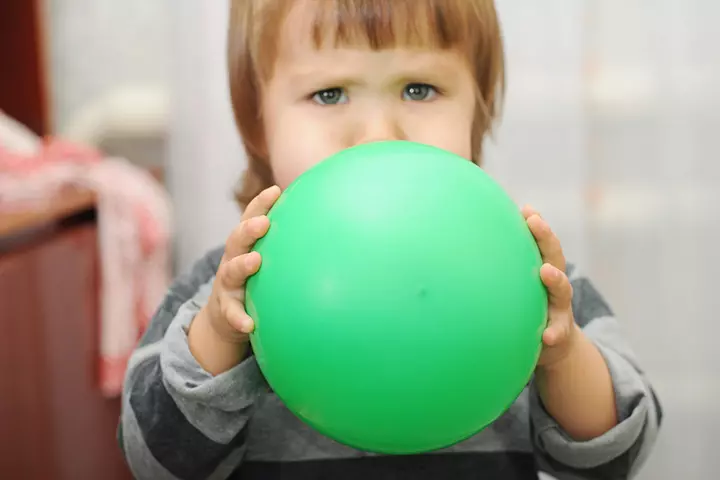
(54,423)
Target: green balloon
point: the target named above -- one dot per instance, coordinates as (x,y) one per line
(399,307)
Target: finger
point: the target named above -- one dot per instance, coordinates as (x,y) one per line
(558,330)
(547,241)
(560,291)
(262,203)
(254,224)
(560,304)
(242,239)
(528,211)
(234,273)
(562,328)
(236,316)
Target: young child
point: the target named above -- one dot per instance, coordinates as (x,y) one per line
(308,79)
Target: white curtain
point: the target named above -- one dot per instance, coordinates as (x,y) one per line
(612,129)
(654,111)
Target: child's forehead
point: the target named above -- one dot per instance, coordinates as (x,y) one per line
(284,29)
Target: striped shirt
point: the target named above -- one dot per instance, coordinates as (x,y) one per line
(180,422)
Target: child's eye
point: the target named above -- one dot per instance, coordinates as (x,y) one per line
(419,92)
(330,96)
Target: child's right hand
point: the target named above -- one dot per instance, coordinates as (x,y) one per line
(225,310)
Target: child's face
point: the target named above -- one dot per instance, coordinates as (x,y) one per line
(321,101)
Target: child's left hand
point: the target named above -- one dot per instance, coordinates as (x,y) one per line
(561,334)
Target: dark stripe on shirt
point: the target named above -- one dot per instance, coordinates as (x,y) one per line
(485,466)
(181,448)
(181,290)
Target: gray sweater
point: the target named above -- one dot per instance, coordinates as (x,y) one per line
(180,422)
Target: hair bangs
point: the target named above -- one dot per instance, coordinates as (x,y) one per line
(382,24)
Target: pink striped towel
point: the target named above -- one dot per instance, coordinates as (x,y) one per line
(134,228)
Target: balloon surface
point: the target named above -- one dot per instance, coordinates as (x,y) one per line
(399,307)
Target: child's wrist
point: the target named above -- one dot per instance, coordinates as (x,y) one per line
(575,344)
(215,352)
(221,329)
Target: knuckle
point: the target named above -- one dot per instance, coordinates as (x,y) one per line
(233,318)
(556,248)
(236,235)
(225,309)
(225,275)
(235,272)
(242,235)
(251,207)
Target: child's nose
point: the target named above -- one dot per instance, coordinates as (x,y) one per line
(380,127)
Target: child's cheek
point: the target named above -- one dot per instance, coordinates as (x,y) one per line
(288,168)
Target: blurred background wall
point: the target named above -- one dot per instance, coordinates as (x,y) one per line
(99,47)
(610,129)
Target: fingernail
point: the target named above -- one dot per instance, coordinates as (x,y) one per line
(251,260)
(248,325)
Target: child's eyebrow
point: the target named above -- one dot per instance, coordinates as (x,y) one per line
(435,73)
(317,76)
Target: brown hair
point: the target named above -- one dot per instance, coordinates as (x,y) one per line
(469,26)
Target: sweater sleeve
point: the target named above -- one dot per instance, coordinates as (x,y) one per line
(621,451)
(178,421)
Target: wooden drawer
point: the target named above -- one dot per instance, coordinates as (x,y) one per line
(53,421)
